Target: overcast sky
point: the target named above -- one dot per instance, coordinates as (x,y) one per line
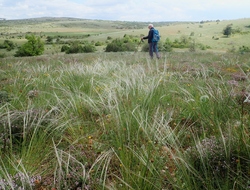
(127,10)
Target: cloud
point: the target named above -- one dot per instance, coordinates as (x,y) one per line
(130,10)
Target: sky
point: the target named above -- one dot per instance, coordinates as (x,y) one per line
(127,10)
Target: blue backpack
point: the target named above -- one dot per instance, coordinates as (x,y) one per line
(156,35)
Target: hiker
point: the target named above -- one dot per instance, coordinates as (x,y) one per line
(152,41)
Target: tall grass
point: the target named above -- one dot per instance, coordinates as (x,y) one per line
(122,121)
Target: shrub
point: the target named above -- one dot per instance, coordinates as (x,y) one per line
(183,42)
(76,47)
(98,43)
(228,30)
(88,48)
(33,47)
(114,46)
(64,48)
(49,39)
(121,45)
(167,46)
(9,45)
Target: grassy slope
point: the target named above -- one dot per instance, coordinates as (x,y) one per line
(99,30)
(110,118)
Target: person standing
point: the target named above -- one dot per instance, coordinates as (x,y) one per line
(153,45)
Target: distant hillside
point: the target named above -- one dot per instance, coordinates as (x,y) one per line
(78,22)
(208,33)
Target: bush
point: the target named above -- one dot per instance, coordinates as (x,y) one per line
(183,42)
(88,48)
(9,45)
(64,48)
(228,30)
(167,46)
(49,39)
(117,45)
(114,46)
(98,43)
(76,47)
(33,47)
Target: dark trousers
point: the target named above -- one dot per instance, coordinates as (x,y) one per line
(153,48)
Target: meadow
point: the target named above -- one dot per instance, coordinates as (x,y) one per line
(123,121)
(208,33)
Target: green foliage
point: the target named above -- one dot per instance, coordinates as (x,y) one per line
(203,47)
(9,45)
(77,47)
(49,39)
(183,42)
(33,47)
(88,48)
(98,43)
(65,48)
(127,43)
(167,46)
(228,30)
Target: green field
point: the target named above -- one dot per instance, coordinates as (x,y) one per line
(209,33)
(123,121)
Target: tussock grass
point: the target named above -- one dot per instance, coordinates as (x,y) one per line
(123,121)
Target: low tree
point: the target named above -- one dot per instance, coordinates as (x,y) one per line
(228,30)
(33,47)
